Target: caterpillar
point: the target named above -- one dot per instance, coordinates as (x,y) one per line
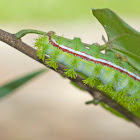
(108,73)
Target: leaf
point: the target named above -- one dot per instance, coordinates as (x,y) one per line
(13,85)
(122,38)
(113,111)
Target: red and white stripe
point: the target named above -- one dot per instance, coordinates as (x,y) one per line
(93,59)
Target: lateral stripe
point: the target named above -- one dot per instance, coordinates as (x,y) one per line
(93,59)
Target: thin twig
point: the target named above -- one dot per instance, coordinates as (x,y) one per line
(11,40)
(22,33)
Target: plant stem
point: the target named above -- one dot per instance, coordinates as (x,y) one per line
(10,39)
(94,101)
(22,33)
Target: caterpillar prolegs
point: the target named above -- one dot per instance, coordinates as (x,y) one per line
(118,79)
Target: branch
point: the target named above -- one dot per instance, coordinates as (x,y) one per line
(12,40)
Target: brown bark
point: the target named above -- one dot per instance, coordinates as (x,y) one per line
(11,40)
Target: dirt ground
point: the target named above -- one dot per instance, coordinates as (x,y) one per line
(49,107)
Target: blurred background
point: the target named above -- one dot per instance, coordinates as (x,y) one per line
(49,107)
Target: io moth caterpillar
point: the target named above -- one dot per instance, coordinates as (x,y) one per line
(110,74)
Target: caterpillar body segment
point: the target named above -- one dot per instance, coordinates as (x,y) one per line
(108,73)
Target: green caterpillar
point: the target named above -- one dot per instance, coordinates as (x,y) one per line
(116,73)
(108,73)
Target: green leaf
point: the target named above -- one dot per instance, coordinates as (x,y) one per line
(122,38)
(113,111)
(11,86)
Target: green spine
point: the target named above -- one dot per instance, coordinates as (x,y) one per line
(119,86)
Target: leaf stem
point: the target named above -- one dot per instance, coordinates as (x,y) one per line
(22,33)
(104,47)
(94,101)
